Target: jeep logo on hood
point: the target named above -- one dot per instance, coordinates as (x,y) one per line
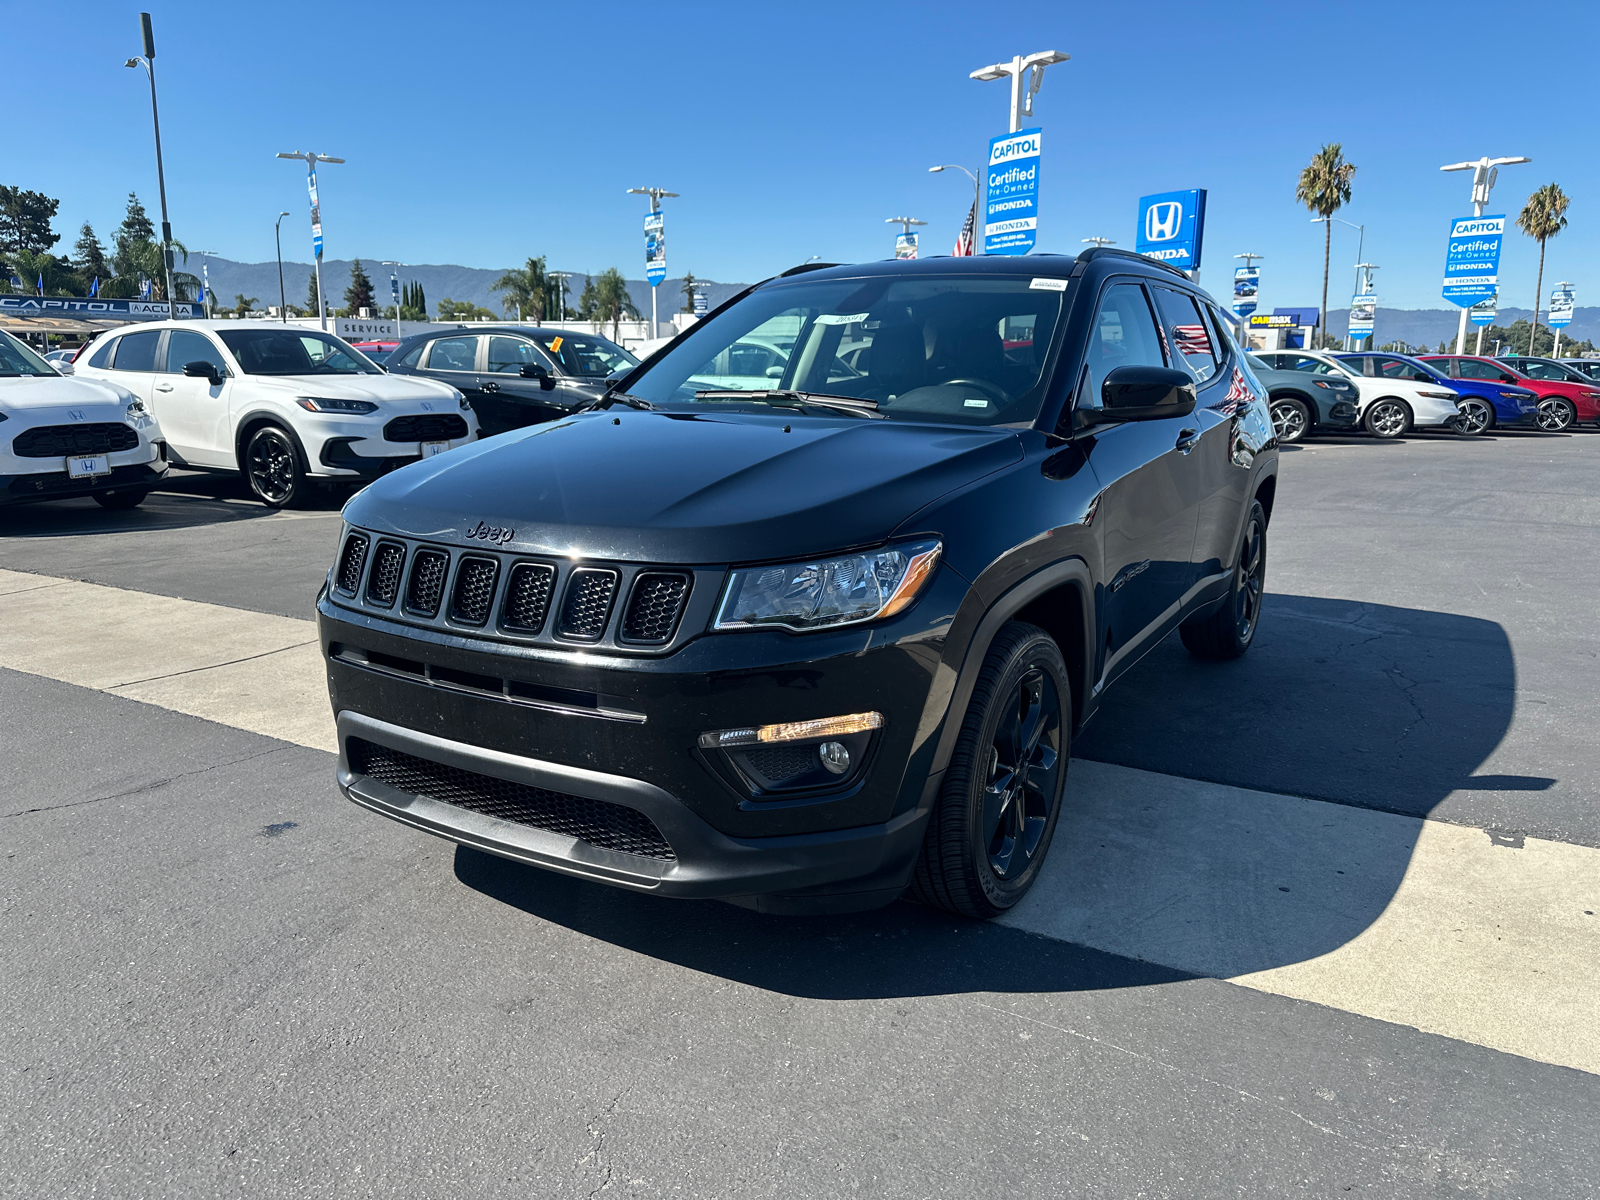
(489,533)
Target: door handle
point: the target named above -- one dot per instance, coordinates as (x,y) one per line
(163,387)
(1186,440)
(491,386)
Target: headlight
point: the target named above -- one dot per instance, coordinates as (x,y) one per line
(325,404)
(1439,395)
(461,400)
(1517,395)
(824,593)
(138,416)
(1590,395)
(1332,386)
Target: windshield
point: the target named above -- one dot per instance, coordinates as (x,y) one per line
(586,355)
(295,352)
(17,360)
(924,348)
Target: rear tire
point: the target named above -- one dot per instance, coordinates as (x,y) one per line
(272,468)
(1291,420)
(121,499)
(1229,632)
(991,826)
(1388,418)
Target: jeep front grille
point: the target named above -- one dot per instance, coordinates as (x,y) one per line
(587,608)
(426,589)
(654,607)
(474,592)
(597,822)
(351,560)
(528,597)
(383,585)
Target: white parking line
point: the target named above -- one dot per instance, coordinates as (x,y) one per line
(1485,938)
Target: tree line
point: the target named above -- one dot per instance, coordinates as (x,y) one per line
(27,241)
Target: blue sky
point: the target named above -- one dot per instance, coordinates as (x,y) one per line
(482,133)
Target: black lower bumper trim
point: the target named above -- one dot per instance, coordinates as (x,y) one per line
(58,485)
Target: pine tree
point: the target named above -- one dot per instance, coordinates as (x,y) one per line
(311,295)
(90,257)
(359,294)
(25,221)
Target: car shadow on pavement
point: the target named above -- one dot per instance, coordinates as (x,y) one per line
(183,500)
(1369,706)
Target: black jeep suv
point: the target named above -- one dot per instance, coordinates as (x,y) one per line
(807,608)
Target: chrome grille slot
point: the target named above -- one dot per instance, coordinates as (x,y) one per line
(587,607)
(474,590)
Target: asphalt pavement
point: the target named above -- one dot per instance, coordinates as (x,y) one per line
(221,979)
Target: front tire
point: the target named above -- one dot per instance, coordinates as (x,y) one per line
(1388,418)
(1556,416)
(1476,417)
(996,813)
(1291,420)
(1229,632)
(272,467)
(121,499)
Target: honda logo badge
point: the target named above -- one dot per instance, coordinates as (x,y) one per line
(1162,221)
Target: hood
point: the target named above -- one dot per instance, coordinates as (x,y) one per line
(58,391)
(378,388)
(684,488)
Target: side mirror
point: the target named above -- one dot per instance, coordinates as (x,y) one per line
(203,370)
(535,371)
(1144,394)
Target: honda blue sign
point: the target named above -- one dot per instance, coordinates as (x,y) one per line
(1246,281)
(1172,226)
(655,249)
(1472,259)
(1011,194)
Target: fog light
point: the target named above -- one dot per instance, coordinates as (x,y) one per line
(835,757)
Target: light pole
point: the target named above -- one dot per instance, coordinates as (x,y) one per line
(561,278)
(1098,242)
(977,199)
(149,64)
(311,160)
(905,224)
(1034,64)
(394,294)
(1361,240)
(656,195)
(277,236)
(1484,173)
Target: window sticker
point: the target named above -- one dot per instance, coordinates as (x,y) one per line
(1048,284)
(555,345)
(841,318)
(969,403)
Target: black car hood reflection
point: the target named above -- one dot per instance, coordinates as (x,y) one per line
(685,488)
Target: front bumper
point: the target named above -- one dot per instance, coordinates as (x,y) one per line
(339,457)
(58,485)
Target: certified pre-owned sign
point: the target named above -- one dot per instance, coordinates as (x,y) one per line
(1472,259)
(1011,197)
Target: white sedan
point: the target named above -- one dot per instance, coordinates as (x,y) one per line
(278,403)
(62,437)
(1397,396)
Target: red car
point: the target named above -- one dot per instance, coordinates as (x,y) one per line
(1562,403)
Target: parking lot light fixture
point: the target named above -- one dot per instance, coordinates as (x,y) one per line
(277,236)
(148,61)
(905,224)
(394,294)
(1100,241)
(1033,65)
(311,159)
(561,278)
(1484,174)
(656,196)
(977,194)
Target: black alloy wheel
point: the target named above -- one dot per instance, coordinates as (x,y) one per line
(272,466)
(1388,418)
(991,826)
(1291,420)
(1229,632)
(1556,416)
(1476,417)
(121,499)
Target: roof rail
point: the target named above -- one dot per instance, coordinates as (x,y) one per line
(804,267)
(1094,252)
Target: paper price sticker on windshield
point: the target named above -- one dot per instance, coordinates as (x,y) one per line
(841,318)
(1048,285)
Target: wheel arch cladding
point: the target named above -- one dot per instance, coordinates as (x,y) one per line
(1060,613)
(1266,492)
(253,421)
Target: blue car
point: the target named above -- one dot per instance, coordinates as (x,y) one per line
(1483,403)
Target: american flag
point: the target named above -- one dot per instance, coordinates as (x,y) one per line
(968,237)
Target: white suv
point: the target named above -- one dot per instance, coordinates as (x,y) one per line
(279,403)
(1397,397)
(70,437)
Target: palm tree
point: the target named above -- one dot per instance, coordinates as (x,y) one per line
(1324,188)
(690,286)
(1541,218)
(526,290)
(611,300)
(243,304)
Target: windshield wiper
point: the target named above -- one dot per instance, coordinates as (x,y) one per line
(789,399)
(611,398)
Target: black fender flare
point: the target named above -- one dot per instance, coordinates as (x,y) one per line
(264,416)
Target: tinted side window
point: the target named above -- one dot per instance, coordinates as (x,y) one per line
(186,346)
(102,355)
(1542,371)
(137,351)
(507,355)
(1191,340)
(454,354)
(1397,368)
(1467,369)
(1124,334)
(413,356)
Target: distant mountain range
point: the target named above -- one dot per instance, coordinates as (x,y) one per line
(440,281)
